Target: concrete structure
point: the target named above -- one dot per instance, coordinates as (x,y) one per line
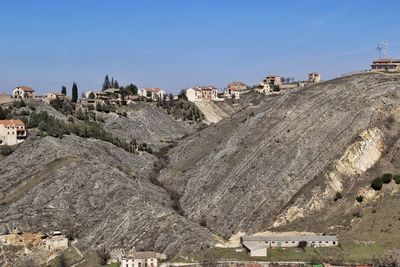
(12,132)
(314,77)
(273,80)
(202,93)
(140,259)
(234,89)
(386,65)
(23,92)
(256,244)
(56,241)
(152,93)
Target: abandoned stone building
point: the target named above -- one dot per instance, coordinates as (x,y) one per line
(257,245)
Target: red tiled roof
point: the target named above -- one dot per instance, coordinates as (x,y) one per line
(155,90)
(12,122)
(26,88)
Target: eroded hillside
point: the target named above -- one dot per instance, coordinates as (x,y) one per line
(279,161)
(96,189)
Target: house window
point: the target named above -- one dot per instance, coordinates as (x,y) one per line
(140,264)
(334,242)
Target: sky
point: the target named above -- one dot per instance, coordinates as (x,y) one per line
(175,44)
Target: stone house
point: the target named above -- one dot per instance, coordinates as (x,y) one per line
(140,259)
(314,77)
(202,93)
(54,96)
(23,92)
(152,93)
(234,89)
(56,241)
(12,132)
(258,245)
(386,65)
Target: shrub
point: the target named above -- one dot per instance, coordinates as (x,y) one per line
(103,255)
(387,178)
(359,199)
(338,196)
(396,179)
(6,150)
(377,184)
(302,245)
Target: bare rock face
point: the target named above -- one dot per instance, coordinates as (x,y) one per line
(95,188)
(146,123)
(245,171)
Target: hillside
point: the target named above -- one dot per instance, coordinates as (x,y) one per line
(284,160)
(276,163)
(99,191)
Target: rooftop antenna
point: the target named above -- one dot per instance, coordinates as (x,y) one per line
(382,48)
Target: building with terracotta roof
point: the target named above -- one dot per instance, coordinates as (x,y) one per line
(56,96)
(234,89)
(152,93)
(386,65)
(140,259)
(23,92)
(12,132)
(202,93)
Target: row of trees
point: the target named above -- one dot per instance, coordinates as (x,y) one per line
(130,89)
(74,95)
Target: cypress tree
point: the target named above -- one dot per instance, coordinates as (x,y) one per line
(106,83)
(63,90)
(112,83)
(115,85)
(74,93)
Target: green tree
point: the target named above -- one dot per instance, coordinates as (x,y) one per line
(3,115)
(360,199)
(63,90)
(112,82)
(115,85)
(396,179)
(74,98)
(106,83)
(131,89)
(377,184)
(387,178)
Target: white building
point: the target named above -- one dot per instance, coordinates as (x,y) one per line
(258,245)
(263,88)
(23,92)
(235,89)
(202,93)
(314,77)
(140,259)
(12,132)
(152,93)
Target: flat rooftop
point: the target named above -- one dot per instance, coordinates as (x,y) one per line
(290,238)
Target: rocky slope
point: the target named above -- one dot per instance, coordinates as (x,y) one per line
(100,190)
(284,159)
(146,123)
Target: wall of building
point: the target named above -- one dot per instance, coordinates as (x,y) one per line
(128,262)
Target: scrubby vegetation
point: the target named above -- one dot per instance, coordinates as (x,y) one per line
(87,129)
(396,179)
(387,178)
(338,196)
(359,199)
(181,109)
(377,184)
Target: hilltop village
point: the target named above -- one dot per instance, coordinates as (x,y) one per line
(22,110)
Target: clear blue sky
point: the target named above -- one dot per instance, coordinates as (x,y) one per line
(175,44)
